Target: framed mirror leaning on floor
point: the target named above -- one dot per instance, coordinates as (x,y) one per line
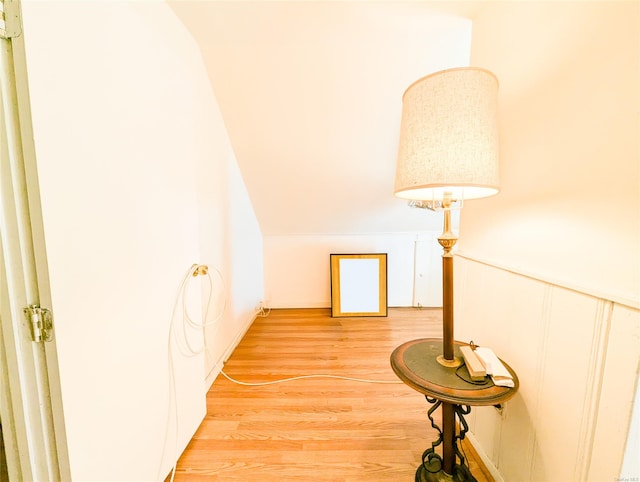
(358,284)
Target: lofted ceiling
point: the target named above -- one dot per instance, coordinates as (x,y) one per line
(311,96)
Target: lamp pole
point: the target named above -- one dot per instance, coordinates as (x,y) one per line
(447,240)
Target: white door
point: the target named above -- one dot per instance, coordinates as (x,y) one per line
(427,287)
(30,402)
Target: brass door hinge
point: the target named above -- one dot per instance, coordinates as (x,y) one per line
(41,322)
(10,24)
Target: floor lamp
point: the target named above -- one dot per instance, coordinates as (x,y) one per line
(448,153)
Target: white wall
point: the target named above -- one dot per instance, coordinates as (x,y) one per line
(549,276)
(231,241)
(297,273)
(138,182)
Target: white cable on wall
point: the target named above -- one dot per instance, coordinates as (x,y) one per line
(187,320)
(172,386)
(179,335)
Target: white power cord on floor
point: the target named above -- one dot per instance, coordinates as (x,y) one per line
(302,377)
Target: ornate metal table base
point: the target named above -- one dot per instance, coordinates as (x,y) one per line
(431,469)
(461,474)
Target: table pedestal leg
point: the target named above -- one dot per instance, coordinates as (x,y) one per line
(448,435)
(435,468)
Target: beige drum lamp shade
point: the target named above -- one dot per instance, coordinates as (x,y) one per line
(449,136)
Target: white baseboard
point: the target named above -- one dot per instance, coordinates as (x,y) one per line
(298,304)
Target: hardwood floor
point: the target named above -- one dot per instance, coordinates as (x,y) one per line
(316,429)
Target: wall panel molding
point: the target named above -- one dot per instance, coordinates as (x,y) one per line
(594,385)
(621,299)
(539,366)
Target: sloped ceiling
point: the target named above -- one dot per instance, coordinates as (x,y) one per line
(311,96)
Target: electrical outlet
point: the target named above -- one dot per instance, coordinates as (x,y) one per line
(200,269)
(262,308)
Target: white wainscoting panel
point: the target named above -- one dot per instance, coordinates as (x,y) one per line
(611,425)
(576,361)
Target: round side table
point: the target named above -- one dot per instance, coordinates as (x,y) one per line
(452,390)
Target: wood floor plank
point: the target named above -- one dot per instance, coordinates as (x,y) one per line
(320,429)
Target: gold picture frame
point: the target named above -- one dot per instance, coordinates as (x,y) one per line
(358,284)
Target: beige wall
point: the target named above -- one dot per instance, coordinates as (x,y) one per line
(549,269)
(569,209)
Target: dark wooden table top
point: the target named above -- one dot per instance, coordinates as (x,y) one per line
(414,362)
